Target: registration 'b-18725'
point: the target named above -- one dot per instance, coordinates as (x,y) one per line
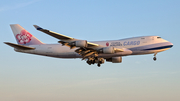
(92,52)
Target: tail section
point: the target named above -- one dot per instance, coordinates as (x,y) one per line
(23,37)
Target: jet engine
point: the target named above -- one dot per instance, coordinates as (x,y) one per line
(107,50)
(115,59)
(79,43)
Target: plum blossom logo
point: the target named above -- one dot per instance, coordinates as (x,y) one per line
(107,44)
(24,37)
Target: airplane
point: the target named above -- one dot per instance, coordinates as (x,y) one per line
(95,52)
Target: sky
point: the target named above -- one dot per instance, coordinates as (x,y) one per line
(26,77)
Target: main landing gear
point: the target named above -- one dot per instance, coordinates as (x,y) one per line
(98,64)
(94,60)
(155,57)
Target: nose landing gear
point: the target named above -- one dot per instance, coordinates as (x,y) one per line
(155,57)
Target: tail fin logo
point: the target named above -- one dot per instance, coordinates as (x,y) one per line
(24,37)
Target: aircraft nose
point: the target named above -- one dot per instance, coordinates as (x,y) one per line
(171,44)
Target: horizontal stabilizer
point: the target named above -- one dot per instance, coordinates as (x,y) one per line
(19,46)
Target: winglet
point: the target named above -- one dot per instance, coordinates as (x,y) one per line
(37,27)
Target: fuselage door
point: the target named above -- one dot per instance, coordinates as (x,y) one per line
(143,40)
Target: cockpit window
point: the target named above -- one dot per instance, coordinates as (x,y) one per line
(158,37)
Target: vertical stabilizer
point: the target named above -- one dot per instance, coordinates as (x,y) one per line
(23,37)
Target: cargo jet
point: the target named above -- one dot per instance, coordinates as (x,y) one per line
(95,52)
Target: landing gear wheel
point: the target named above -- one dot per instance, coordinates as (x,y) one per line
(98,65)
(154,58)
(89,62)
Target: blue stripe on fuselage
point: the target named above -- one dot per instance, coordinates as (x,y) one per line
(156,46)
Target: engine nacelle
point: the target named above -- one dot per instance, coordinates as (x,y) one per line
(80,43)
(115,59)
(107,50)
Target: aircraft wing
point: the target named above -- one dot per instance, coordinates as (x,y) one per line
(53,34)
(64,39)
(85,51)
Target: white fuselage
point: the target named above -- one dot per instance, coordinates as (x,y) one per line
(132,46)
